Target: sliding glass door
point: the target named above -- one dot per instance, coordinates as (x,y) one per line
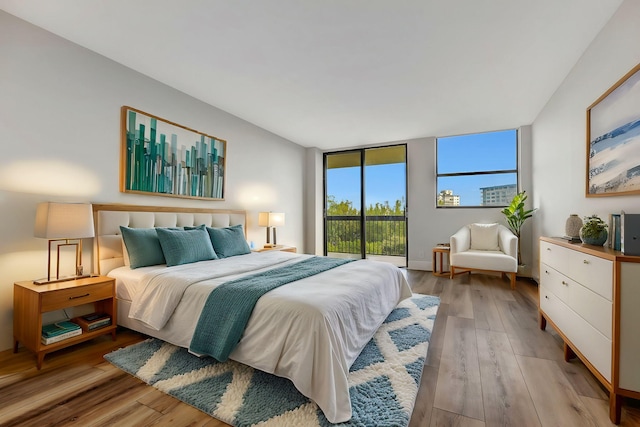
(373,178)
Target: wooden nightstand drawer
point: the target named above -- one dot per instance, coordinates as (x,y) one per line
(76,296)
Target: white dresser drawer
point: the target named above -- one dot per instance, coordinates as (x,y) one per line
(587,339)
(553,280)
(592,307)
(593,272)
(554,256)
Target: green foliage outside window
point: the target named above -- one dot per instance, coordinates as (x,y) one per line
(384,237)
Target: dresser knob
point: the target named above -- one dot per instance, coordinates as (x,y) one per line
(584,261)
(546,296)
(565,283)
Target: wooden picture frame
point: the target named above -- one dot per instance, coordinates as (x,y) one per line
(613,139)
(162,158)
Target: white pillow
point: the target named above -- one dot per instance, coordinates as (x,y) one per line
(484,237)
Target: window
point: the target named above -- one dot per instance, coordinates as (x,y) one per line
(479,169)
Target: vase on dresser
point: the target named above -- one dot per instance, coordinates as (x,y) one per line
(572,226)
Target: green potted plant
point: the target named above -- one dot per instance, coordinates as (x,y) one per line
(516,215)
(593,231)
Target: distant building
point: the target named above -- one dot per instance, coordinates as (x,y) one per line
(447,198)
(499,195)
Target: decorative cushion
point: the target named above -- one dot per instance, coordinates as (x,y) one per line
(484,237)
(143,246)
(125,253)
(185,246)
(229,241)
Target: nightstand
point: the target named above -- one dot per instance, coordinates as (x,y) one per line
(278,248)
(30,301)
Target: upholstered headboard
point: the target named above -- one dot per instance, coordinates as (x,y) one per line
(108,253)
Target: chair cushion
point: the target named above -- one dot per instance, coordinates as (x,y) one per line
(485,260)
(484,237)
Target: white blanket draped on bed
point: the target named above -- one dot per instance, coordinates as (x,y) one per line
(309,331)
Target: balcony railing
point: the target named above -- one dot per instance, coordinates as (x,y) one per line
(385,235)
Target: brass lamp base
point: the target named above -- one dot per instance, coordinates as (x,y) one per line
(269,245)
(61,279)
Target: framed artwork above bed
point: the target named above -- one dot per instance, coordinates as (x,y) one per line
(162,158)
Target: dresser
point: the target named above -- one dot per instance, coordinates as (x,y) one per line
(591,296)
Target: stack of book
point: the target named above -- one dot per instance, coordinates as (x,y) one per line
(59,331)
(93,321)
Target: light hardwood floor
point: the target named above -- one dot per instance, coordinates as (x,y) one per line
(488,365)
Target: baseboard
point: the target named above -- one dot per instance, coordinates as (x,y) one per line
(420,265)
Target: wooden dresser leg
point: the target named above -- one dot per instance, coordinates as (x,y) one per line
(568,353)
(542,321)
(615,407)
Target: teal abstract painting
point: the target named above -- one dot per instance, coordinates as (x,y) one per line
(163,158)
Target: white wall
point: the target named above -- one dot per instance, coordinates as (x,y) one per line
(60,135)
(559,131)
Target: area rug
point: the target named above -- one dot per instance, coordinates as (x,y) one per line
(383,381)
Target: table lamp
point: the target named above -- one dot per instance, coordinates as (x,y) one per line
(64,224)
(270,220)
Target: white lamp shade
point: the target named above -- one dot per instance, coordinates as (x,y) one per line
(64,221)
(270,219)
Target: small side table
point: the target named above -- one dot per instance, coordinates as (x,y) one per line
(441,250)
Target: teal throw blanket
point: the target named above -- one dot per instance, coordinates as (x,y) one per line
(229,306)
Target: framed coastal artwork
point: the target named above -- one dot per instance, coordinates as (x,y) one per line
(162,158)
(613,139)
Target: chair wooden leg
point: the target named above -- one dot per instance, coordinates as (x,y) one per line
(451,271)
(513,280)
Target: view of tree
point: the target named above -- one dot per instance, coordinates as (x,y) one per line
(386,227)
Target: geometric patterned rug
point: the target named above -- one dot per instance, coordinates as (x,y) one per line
(383,381)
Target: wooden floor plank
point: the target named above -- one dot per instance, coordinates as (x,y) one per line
(436,343)
(557,404)
(442,418)
(505,395)
(459,389)
(459,300)
(426,394)
(485,311)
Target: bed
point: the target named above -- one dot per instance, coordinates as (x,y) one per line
(309,331)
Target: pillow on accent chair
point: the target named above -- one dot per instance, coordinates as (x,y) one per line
(229,241)
(186,246)
(484,237)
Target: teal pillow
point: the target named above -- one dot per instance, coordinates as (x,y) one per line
(143,246)
(186,246)
(229,241)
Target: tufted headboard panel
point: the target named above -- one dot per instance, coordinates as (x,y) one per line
(108,218)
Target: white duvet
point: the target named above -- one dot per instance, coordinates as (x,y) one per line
(309,331)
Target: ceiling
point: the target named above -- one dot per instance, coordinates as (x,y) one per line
(343,73)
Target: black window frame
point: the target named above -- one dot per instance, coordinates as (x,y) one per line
(477,173)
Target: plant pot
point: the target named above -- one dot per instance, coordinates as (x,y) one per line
(596,240)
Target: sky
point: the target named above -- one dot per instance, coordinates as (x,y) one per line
(477,152)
